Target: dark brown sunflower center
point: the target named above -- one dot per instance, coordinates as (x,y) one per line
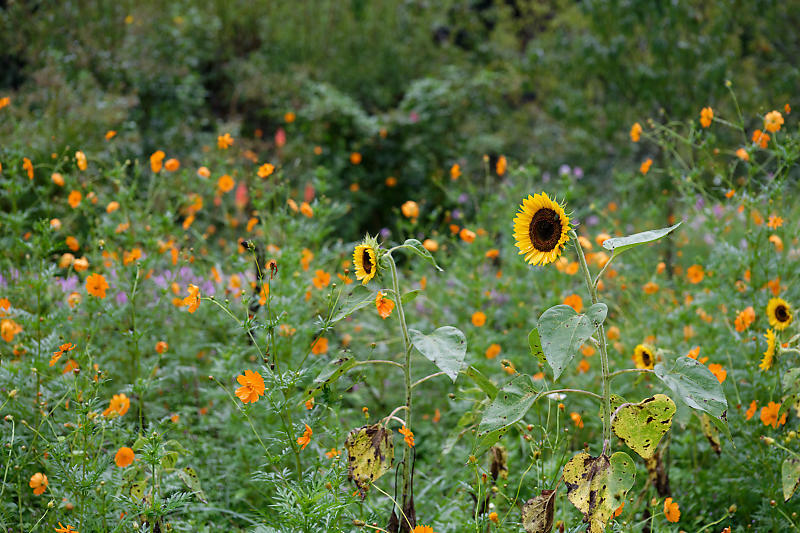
(545,230)
(646,359)
(366,262)
(781,313)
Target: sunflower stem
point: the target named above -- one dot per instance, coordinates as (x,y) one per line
(407,494)
(591,287)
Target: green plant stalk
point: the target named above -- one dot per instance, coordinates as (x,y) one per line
(590,286)
(407,482)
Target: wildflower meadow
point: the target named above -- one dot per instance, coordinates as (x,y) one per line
(402,267)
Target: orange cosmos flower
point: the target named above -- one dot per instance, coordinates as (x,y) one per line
(306,210)
(410,209)
(118,406)
(760,138)
(695,274)
(96,285)
(478,319)
(706,116)
(430,245)
(110,134)
(384,305)
(575,302)
(265,170)
(289,117)
(172,164)
(124,457)
(72,243)
(203,172)
(193,300)
(650,287)
(720,373)
(355,158)
(81,265)
(773,121)
(6,100)
(742,154)
(65,529)
(225,183)
(332,453)
(493,351)
(112,206)
(157,161)
(671,510)
(74,199)
(751,410)
(320,346)
(408,436)
(636,132)
(501,165)
(466,235)
(775,240)
(455,172)
(744,319)
(422,529)
(252,387)
(224,141)
(775,222)
(58,179)
(305,439)
(38,483)
(71,365)
(161,347)
(391,181)
(645,167)
(321,279)
(769,415)
(80,158)
(28,166)
(576,419)
(64,348)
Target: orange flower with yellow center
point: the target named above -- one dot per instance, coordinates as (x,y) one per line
(252,387)
(384,305)
(305,439)
(118,406)
(96,285)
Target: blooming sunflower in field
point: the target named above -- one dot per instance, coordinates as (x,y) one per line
(779,313)
(769,355)
(541,229)
(644,356)
(365,259)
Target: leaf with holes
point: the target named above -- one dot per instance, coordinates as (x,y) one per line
(190,479)
(484,383)
(695,385)
(563,332)
(642,425)
(359,298)
(597,485)
(446,347)
(790,476)
(510,404)
(535,342)
(370,452)
(537,513)
(617,245)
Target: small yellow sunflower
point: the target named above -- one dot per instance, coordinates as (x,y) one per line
(779,313)
(365,259)
(769,355)
(541,229)
(644,356)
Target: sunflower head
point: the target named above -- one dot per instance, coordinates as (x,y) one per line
(779,313)
(644,356)
(541,229)
(365,258)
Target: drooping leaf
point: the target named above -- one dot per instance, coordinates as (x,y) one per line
(370,452)
(446,347)
(535,342)
(597,485)
(498,464)
(696,386)
(711,433)
(358,298)
(538,512)
(563,331)
(169,460)
(190,479)
(642,425)
(484,383)
(419,249)
(617,245)
(333,371)
(510,404)
(790,476)
(410,296)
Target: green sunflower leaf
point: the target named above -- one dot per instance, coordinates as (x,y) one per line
(696,386)
(417,247)
(617,245)
(510,404)
(641,426)
(597,486)
(535,342)
(790,476)
(446,347)
(563,331)
(481,381)
(358,298)
(333,371)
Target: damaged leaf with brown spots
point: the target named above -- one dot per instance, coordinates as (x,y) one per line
(597,485)
(642,425)
(537,513)
(370,451)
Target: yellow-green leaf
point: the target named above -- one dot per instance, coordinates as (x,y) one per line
(370,451)
(790,476)
(598,485)
(642,425)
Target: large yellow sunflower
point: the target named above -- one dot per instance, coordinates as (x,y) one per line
(769,355)
(644,356)
(779,313)
(365,259)
(541,229)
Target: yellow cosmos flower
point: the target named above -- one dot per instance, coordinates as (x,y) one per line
(644,356)
(541,229)
(779,313)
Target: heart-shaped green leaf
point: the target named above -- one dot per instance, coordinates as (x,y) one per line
(642,425)
(790,476)
(617,245)
(370,452)
(510,404)
(446,347)
(598,485)
(563,332)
